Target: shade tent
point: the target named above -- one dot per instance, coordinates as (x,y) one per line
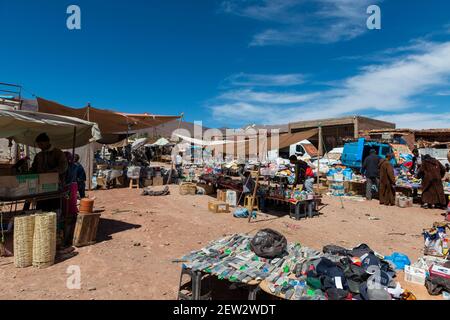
(24,126)
(263,143)
(109,122)
(161,142)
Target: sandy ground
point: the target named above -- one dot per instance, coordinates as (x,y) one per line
(140,235)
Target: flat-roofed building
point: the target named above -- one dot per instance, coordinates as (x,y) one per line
(336,130)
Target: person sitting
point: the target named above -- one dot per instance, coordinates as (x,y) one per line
(303,176)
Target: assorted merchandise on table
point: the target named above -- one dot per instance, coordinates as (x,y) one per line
(295,272)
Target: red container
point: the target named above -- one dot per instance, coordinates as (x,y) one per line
(86,205)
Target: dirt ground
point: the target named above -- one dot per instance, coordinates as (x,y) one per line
(138,237)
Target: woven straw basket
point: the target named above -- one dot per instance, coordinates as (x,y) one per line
(44,240)
(23,241)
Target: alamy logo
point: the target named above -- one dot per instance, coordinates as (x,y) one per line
(74,20)
(374,20)
(74,280)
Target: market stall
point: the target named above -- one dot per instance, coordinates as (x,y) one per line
(20,189)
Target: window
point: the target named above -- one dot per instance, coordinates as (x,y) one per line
(299,149)
(385,150)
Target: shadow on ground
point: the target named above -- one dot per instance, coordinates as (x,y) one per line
(108,227)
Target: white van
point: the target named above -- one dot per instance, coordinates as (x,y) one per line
(303,150)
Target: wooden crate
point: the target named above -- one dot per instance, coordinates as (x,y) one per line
(85,233)
(222,195)
(218,207)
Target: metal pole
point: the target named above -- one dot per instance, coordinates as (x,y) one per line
(320,153)
(74,141)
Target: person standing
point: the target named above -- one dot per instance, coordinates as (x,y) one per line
(371,172)
(415,161)
(179,165)
(49,159)
(387,181)
(80,177)
(431,172)
(299,171)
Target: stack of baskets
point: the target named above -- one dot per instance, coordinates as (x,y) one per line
(35,240)
(23,241)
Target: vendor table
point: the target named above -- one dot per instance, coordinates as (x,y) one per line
(252,286)
(311,204)
(13,202)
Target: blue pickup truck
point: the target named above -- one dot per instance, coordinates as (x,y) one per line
(355,152)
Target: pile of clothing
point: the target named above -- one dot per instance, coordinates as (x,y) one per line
(301,273)
(337,274)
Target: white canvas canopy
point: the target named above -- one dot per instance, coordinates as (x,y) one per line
(64,132)
(199,142)
(161,142)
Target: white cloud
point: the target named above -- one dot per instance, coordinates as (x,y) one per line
(445,93)
(393,87)
(296,21)
(419,120)
(265,80)
(267,97)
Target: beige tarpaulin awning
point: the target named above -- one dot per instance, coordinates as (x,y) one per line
(258,143)
(24,126)
(108,121)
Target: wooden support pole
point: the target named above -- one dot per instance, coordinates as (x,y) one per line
(320,149)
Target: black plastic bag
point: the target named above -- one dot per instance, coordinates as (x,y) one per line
(268,243)
(335,250)
(435,285)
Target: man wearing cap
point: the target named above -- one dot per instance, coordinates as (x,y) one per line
(49,159)
(370,170)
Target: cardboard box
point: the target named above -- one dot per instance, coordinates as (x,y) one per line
(218,207)
(158,181)
(439,271)
(17,186)
(48,182)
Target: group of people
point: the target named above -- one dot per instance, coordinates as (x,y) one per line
(380,177)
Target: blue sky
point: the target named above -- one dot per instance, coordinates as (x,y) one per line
(234,62)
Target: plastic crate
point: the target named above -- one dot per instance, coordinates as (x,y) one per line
(415,275)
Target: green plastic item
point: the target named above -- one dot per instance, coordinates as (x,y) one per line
(314,282)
